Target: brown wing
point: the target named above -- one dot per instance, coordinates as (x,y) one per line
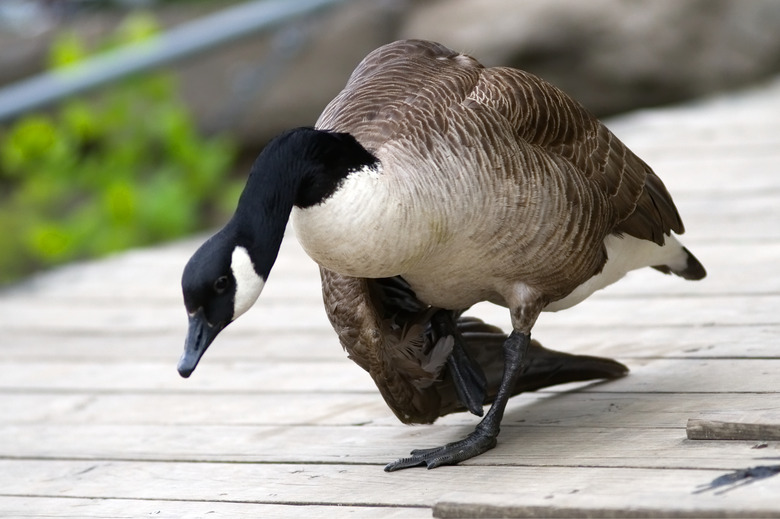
(546,117)
(384,329)
(392,347)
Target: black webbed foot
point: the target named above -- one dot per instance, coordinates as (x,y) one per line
(453,453)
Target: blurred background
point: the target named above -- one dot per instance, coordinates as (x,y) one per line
(161,150)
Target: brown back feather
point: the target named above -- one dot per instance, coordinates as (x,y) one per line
(405,83)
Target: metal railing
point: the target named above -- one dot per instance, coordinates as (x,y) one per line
(204,34)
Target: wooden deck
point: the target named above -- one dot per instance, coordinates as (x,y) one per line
(276,422)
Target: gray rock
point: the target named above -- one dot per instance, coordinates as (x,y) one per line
(615,55)
(612,55)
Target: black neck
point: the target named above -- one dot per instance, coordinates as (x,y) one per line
(301,167)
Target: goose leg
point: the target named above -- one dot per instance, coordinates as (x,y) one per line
(468,378)
(484,436)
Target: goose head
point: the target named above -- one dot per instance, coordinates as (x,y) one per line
(301,167)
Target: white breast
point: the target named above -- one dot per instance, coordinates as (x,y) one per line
(362,230)
(373,227)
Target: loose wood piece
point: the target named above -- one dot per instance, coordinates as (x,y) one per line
(698,429)
(573,506)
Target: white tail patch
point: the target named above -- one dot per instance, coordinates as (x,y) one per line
(248,283)
(625,254)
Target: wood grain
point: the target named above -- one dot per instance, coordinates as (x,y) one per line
(698,429)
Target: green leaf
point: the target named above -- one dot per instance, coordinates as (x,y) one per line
(120,203)
(67,49)
(121,168)
(50,243)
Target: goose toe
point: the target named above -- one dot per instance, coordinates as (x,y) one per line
(453,453)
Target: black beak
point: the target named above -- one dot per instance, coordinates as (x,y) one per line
(199,336)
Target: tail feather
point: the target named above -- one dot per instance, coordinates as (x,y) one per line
(545,367)
(693,269)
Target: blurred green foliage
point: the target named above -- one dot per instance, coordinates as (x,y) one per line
(124,168)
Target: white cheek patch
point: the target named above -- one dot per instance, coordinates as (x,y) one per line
(248,283)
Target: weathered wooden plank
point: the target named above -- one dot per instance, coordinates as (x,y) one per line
(23,507)
(520,445)
(680,132)
(124,284)
(237,344)
(699,429)
(693,375)
(756,141)
(153,376)
(233,345)
(632,410)
(625,342)
(88,318)
(484,505)
(745,218)
(317,408)
(699,375)
(671,310)
(715,173)
(360,485)
(689,129)
(549,408)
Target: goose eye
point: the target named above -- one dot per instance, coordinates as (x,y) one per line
(221,284)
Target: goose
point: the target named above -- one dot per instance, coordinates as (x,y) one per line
(431,183)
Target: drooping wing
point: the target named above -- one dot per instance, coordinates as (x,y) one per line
(388,341)
(384,330)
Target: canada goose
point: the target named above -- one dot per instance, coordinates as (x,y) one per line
(429,184)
